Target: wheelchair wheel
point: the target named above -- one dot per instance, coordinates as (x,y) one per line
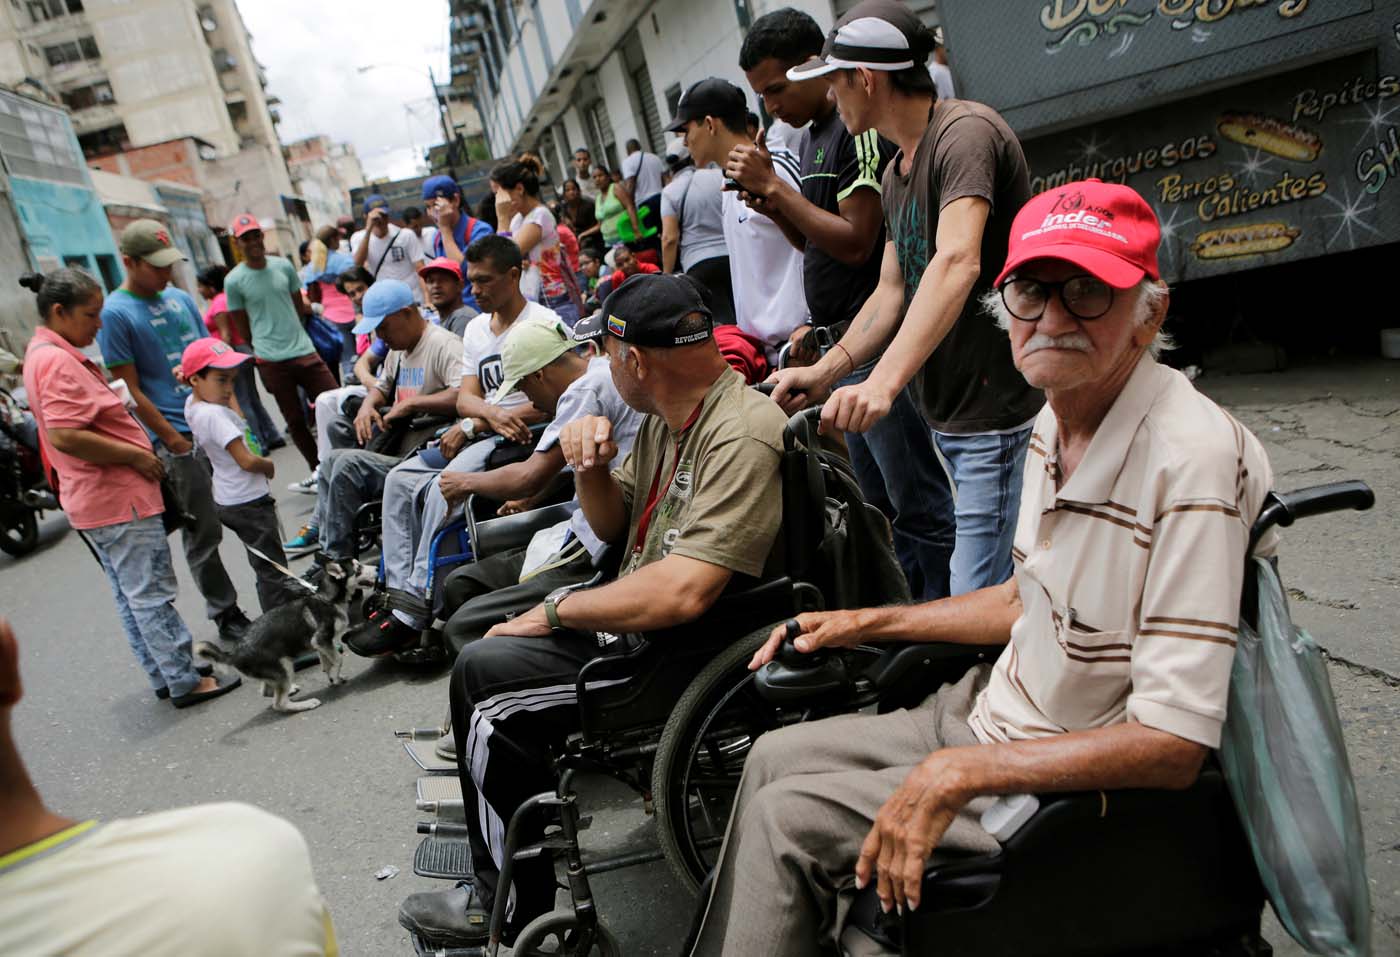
(552,935)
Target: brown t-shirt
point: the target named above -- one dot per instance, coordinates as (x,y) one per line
(969,383)
(725,503)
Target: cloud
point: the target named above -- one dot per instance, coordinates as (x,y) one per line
(312,49)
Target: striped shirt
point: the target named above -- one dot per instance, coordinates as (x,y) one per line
(1130,571)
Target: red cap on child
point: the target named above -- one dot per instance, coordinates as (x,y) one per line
(210,353)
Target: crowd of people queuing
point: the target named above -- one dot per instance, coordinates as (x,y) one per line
(871,249)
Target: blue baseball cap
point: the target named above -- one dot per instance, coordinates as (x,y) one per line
(385,297)
(437,186)
(375,201)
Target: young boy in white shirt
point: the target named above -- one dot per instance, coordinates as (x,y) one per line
(242,492)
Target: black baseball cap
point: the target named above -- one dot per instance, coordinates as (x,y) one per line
(645,311)
(875,34)
(709,97)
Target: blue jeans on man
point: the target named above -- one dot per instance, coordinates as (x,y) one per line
(899,473)
(986,471)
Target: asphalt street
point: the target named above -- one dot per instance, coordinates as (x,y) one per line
(99,745)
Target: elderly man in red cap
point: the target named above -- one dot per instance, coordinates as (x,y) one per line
(1119,621)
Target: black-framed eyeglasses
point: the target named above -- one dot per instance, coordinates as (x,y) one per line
(1085,297)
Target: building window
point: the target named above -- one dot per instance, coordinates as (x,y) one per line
(113,139)
(224,61)
(74,51)
(98,94)
(111,275)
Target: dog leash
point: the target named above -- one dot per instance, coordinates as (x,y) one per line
(283,569)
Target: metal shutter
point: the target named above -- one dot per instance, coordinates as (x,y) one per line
(651,115)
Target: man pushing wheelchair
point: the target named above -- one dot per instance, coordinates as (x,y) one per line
(1119,620)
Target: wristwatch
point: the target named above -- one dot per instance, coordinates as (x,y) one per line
(469,427)
(551,605)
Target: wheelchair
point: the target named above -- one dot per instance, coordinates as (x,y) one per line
(672,714)
(1062,883)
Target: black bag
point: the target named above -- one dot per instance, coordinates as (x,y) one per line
(174,517)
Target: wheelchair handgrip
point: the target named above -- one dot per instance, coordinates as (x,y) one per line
(1285,508)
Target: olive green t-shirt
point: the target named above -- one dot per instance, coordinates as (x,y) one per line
(725,503)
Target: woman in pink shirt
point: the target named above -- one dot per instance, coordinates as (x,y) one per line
(107,477)
(245,386)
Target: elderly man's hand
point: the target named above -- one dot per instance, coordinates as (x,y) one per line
(367,420)
(908,828)
(820,629)
(587,443)
(453,441)
(456,486)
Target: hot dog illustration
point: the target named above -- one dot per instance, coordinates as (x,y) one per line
(1270,134)
(1250,240)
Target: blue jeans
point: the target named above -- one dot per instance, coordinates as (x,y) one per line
(136,558)
(563,305)
(245,387)
(987,474)
(899,473)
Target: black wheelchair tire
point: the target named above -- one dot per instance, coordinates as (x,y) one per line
(557,925)
(19,531)
(726,674)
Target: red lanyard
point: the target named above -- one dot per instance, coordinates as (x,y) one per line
(654,496)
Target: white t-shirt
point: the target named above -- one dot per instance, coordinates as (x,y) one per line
(942,81)
(542,279)
(427,236)
(481,351)
(214,427)
(646,167)
(402,254)
(764,268)
(218,880)
(593,393)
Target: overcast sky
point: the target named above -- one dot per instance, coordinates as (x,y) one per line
(311,50)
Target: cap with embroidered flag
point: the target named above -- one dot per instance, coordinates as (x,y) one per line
(1104,228)
(149,240)
(244,223)
(385,297)
(210,353)
(875,34)
(530,345)
(645,310)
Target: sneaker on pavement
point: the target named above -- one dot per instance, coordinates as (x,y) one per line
(306,486)
(450,918)
(233,624)
(304,542)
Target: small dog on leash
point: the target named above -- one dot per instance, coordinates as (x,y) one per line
(283,634)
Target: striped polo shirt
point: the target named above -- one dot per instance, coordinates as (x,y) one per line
(1130,571)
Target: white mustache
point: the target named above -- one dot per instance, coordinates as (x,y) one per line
(1077,341)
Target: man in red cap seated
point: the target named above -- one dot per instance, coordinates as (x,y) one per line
(1119,620)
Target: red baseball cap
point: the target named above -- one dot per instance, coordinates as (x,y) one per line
(210,353)
(442,262)
(1107,229)
(244,223)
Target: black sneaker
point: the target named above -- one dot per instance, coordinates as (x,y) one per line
(233,624)
(382,635)
(450,918)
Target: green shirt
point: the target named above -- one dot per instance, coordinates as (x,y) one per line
(266,294)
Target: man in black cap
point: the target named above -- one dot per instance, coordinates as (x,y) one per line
(949,197)
(765,270)
(697,503)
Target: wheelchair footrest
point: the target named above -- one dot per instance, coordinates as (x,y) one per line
(424,755)
(424,949)
(441,794)
(445,858)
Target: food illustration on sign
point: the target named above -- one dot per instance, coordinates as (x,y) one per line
(1248,240)
(1272,135)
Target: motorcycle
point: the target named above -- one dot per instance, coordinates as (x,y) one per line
(24,489)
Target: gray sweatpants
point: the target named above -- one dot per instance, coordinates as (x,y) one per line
(192,481)
(257,526)
(414,510)
(808,797)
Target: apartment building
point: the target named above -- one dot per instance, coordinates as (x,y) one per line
(136,73)
(552,75)
(323,174)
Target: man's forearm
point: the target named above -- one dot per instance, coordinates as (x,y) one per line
(833,234)
(519,479)
(364,371)
(442,402)
(942,294)
(362,250)
(470,406)
(982,617)
(869,332)
(93,447)
(1126,755)
(655,596)
(150,417)
(778,212)
(601,499)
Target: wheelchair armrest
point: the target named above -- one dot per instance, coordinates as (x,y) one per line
(424,421)
(511,531)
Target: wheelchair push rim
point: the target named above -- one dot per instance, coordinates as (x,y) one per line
(555,935)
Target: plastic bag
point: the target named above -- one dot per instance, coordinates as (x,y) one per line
(1286,765)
